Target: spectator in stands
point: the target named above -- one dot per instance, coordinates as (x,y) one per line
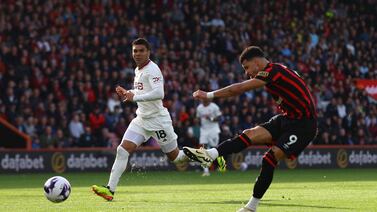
(87,139)
(30,126)
(97,121)
(108,139)
(61,140)
(76,128)
(48,139)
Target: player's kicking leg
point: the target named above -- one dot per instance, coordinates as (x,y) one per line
(256,135)
(199,155)
(206,157)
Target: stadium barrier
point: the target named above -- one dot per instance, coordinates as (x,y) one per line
(101,159)
(15,138)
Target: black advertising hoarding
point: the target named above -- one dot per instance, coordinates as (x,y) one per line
(102,160)
(312,158)
(88,160)
(23,162)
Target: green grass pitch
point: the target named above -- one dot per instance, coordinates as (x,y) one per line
(292,190)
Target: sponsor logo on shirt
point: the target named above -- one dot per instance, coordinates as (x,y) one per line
(156,79)
(138,86)
(263,73)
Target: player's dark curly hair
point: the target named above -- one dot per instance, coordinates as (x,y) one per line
(251,52)
(142,41)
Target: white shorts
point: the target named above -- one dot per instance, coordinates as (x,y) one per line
(160,128)
(208,138)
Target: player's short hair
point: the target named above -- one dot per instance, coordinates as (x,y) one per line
(251,52)
(142,41)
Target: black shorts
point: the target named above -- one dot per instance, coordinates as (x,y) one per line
(291,135)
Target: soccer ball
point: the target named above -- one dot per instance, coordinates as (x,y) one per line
(57,189)
(244,166)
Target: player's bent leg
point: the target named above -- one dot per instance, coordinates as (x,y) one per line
(259,135)
(278,153)
(269,162)
(265,177)
(177,156)
(167,139)
(256,135)
(129,146)
(173,154)
(206,157)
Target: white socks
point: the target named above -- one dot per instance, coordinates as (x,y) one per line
(181,157)
(253,203)
(119,166)
(213,153)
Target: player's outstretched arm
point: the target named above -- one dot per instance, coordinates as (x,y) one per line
(155,94)
(231,90)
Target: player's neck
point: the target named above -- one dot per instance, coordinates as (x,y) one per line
(264,63)
(143,64)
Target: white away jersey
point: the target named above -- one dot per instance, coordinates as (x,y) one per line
(211,111)
(147,79)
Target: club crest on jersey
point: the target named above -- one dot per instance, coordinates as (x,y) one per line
(156,79)
(138,85)
(263,73)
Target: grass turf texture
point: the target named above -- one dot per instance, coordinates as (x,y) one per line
(291,190)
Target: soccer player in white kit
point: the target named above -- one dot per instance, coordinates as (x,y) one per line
(209,114)
(152,118)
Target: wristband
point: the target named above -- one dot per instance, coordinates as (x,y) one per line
(211,95)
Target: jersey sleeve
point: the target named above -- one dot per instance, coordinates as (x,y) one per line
(155,78)
(268,75)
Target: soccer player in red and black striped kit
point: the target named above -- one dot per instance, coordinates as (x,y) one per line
(287,134)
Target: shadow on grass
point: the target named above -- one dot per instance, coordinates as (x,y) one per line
(276,203)
(268,203)
(304,206)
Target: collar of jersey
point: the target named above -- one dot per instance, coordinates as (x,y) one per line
(144,65)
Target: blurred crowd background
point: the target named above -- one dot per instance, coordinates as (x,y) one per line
(61,60)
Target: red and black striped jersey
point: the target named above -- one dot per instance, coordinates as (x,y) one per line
(289,91)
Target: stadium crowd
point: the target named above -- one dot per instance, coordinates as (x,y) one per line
(61,60)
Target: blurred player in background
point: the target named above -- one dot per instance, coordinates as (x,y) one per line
(209,114)
(152,120)
(287,134)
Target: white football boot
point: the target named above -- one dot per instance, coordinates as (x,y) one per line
(199,155)
(245,209)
